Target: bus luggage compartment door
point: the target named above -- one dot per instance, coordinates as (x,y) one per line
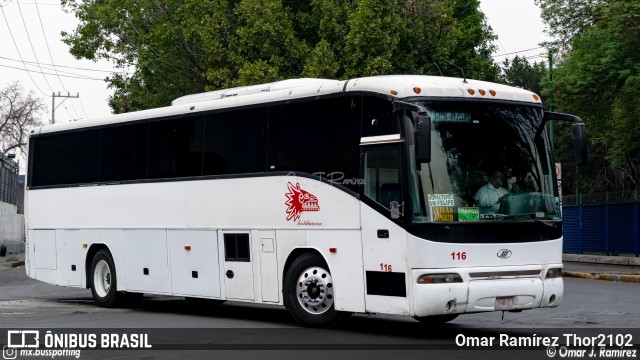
(195,270)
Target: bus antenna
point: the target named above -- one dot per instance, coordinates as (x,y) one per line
(464,78)
(436,64)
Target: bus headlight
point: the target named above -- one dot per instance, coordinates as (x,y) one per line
(554,273)
(439,279)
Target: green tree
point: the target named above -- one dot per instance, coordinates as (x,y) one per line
(374,34)
(519,72)
(474,41)
(180,47)
(566,19)
(599,80)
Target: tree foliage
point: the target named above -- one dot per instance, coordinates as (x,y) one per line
(181,47)
(521,73)
(599,80)
(19,113)
(566,19)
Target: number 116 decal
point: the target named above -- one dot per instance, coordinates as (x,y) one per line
(385,267)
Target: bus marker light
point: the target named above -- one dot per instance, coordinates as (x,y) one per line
(187,247)
(394,92)
(482,92)
(471,91)
(536,97)
(492,92)
(417,90)
(84,246)
(192,108)
(333,250)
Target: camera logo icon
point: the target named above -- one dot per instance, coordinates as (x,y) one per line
(9,353)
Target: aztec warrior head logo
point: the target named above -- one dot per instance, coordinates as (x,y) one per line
(299,201)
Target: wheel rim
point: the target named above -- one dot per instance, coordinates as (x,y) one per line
(102,278)
(315,290)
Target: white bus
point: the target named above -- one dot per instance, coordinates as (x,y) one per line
(327,197)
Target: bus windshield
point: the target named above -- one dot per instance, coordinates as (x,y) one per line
(486,165)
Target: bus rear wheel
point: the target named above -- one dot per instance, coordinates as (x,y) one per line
(308,292)
(104,280)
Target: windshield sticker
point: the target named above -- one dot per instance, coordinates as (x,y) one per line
(440,200)
(442,213)
(449,116)
(468,214)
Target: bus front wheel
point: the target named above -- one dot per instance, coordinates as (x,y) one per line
(308,292)
(103,280)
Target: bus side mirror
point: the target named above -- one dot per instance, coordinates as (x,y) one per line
(395,210)
(422,136)
(579,135)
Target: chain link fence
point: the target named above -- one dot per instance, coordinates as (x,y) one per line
(9,185)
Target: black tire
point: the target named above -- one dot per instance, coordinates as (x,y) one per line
(310,302)
(104,281)
(436,319)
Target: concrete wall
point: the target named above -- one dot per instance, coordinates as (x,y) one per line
(11,228)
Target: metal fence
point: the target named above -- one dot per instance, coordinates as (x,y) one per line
(602,224)
(9,186)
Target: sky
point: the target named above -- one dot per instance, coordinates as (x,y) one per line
(30,34)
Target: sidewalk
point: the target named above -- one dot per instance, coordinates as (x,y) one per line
(610,268)
(15,260)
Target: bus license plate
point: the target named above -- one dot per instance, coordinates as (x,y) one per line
(504,303)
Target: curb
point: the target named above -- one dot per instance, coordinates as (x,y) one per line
(606,277)
(16,264)
(12,264)
(601,259)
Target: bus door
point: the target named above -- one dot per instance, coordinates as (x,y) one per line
(383,238)
(238,265)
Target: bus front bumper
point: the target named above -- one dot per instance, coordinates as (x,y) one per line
(485,294)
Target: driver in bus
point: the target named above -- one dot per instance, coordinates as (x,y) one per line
(490,196)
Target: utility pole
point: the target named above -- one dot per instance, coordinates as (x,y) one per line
(53,103)
(549,55)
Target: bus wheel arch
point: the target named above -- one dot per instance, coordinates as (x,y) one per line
(308,289)
(91,253)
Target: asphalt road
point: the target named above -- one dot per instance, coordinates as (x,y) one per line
(237,330)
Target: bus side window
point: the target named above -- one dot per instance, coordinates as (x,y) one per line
(382,175)
(235,142)
(377,118)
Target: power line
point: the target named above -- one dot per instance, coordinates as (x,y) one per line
(18,50)
(68,76)
(82,107)
(33,3)
(31,44)
(44,34)
(520,51)
(70,67)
